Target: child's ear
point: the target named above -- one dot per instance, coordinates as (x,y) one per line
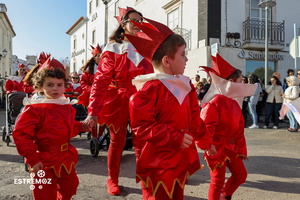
(166,61)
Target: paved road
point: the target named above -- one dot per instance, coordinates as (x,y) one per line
(273,167)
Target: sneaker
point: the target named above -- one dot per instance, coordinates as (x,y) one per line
(275,127)
(292,130)
(253,126)
(265,127)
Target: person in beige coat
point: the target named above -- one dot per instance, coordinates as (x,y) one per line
(273,102)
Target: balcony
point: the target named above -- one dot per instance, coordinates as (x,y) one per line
(254,35)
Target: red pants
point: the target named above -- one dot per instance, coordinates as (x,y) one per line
(161,194)
(117,143)
(237,178)
(62,188)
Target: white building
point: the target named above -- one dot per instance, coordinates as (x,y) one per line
(238,26)
(6,34)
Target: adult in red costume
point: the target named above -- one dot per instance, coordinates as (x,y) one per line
(164,116)
(224,121)
(112,88)
(87,78)
(76,87)
(43,132)
(15,83)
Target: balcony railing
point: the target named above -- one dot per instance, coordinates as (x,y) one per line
(254,33)
(186,34)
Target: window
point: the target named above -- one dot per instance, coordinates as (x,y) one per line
(97,3)
(117,8)
(90,7)
(173,19)
(258,67)
(257,13)
(93,36)
(74,44)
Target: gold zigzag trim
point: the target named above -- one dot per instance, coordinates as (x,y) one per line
(73,165)
(220,164)
(170,194)
(111,125)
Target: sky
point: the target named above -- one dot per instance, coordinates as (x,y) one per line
(41,25)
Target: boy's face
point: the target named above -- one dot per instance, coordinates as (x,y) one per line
(179,61)
(53,88)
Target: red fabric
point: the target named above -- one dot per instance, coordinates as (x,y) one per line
(27,88)
(62,188)
(45,124)
(12,85)
(86,82)
(238,177)
(107,101)
(69,90)
(225,122)
(159,122)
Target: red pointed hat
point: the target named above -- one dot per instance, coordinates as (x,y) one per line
(52,64)
(21,65)
(122,12)
(43,57)
(220,67)
(96,50)
(152,36)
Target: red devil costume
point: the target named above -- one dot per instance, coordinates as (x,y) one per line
(161,112)
(111,90)
(15,83)
(42,134)
(224,121)
(87,79)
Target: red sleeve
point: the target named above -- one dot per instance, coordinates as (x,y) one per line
(145,126)
(197,126)
(102,79)
(9,87)
(27,88)
(23,135)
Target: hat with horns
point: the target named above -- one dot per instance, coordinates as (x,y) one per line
(21,65)
(96,50)
(43,57)
(152,36)
(122,12)
(52,64)
(220,67)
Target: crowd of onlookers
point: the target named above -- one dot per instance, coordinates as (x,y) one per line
(266,102)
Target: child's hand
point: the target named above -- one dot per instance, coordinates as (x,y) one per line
(38,166)
(87,126)
(187,140)
(92,121)
(212,151)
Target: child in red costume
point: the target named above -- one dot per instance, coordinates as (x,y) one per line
(43,132)
(87,77)
(165,116)
(15,83)
(112,88)
(222,115)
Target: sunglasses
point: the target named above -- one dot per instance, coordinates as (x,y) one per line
(128,20)
(75,77)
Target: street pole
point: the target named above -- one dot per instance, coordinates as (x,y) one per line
(266,5)
(296,46)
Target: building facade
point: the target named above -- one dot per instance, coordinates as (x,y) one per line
(234,28)
(6,34)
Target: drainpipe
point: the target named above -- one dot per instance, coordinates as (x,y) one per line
(105,2)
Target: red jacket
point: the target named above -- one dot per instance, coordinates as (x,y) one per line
(225,124)
(43,132)
(86,82)
(159,123)
(112,86)
(14,83)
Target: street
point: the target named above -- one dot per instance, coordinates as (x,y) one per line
(273,170)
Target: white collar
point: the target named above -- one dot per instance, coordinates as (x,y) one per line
(118,48)
(178,85)
(235,91)
(16,78)
(60,101)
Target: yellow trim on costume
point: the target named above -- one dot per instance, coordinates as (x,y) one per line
(111,125)
(220,164)
(73,165)
(170,194)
